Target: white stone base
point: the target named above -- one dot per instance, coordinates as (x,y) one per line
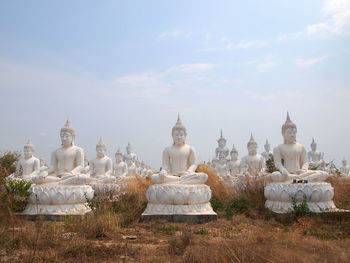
(174,199)
(58,200)
(319,196)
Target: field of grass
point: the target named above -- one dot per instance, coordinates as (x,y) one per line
(244,232)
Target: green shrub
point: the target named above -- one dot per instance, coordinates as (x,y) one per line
(16,195)
(238,205)
(8,163)
(302,209)
(270,164)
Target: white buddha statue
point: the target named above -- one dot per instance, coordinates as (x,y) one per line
(222,147)
(222,168)
(131,165)
(179,161)
(66,162)
(120,169)
(29,166)
(86,168)
(314,156)
(43,165)
(234,163)
(138,167)
(101,168)
(129,153)
(345,169)
(252,164)
(266,155)
(291,158)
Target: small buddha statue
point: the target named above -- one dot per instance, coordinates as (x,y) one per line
(179,161)
(130,153)
(120,169)
(222,147)
(144,170)
(138,167)
(252,164)
(222,168)
(43,165)
(86,168)
(315,157)
(345,169)
(29,166)
(295,164)
(131,166)
(267,154)
(66,162)
(101,169)
(234,163)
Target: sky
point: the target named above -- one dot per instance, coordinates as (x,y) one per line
(123,70)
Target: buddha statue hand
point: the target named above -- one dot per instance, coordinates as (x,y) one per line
(77,179)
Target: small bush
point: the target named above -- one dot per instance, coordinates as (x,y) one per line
(238,205)
(302,209)
(178,244)
(270,164)
(16,194)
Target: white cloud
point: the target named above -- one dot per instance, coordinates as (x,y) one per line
(172,34)
(267,65)
(191,68)
(305,63)
(338,13)
(261,97)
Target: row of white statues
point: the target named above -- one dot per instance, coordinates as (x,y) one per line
(178,189)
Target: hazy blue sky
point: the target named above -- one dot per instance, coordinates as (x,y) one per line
(124,69)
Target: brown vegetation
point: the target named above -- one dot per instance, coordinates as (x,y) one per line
(243,233)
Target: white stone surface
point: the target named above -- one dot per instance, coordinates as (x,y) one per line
(253,164)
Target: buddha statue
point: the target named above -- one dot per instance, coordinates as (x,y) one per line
(315,157)
(66,162)
(29,166)
(252,164)
(131,165)
(86,168)
(129,153)
(345,169)
(267,154)
(138,167)
(179,161)
(222,168)
(222,147)
(291,159)
(120,169)
(144,170)
(101,168)
(234,163)
(43,165)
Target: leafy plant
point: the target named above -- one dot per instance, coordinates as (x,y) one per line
(270,164)
(89,202)
(17,193)
(302,209)
(238,205)
(8,163)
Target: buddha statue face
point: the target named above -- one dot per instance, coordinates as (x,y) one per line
(118,158)
(179,137)
(66,138)
(129,161)
(101,151)
(344,162)
(313,146)
(222,143)
(128,149)
(252,148)
(234,156)
(290,135)
(267,147)
(28,152)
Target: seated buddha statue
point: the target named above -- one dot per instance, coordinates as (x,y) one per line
(267,154)
(129,153)
(66,162)
(120,169)
(101,169)
(132,169)
(222,168)
(29,166)
(315,157)
(234,163)
(222,147)
(345,169)
(252,164)
(179,161)
(291,158)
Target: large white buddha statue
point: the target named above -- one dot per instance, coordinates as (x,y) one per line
(291,159)
(29,166)
(314,156)
(132,169)
(266,155)
(120,168)
(179,161)
(222,147)
(252,164)
(345,169)
(129,153)
(234,163)
(66,162)
(101,168)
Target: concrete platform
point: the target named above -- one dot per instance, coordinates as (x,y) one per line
(47,217)
(178,218)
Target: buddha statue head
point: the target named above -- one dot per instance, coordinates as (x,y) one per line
(67,134)
(267,146)
(234,153)
(252,146)
(179,133)
(137,162)
(101,149)
(289,131)
(28,149)
(128,148)
(129,160)
(313,145)
(221,140)
(119,156)
(344,162)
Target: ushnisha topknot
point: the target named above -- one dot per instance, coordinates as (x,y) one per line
(178,126)
(313,142)
(29,145)
(101,143)
(234,150)
(119,152)
(221,137)
(251,140)
(68,127)
(288,124)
